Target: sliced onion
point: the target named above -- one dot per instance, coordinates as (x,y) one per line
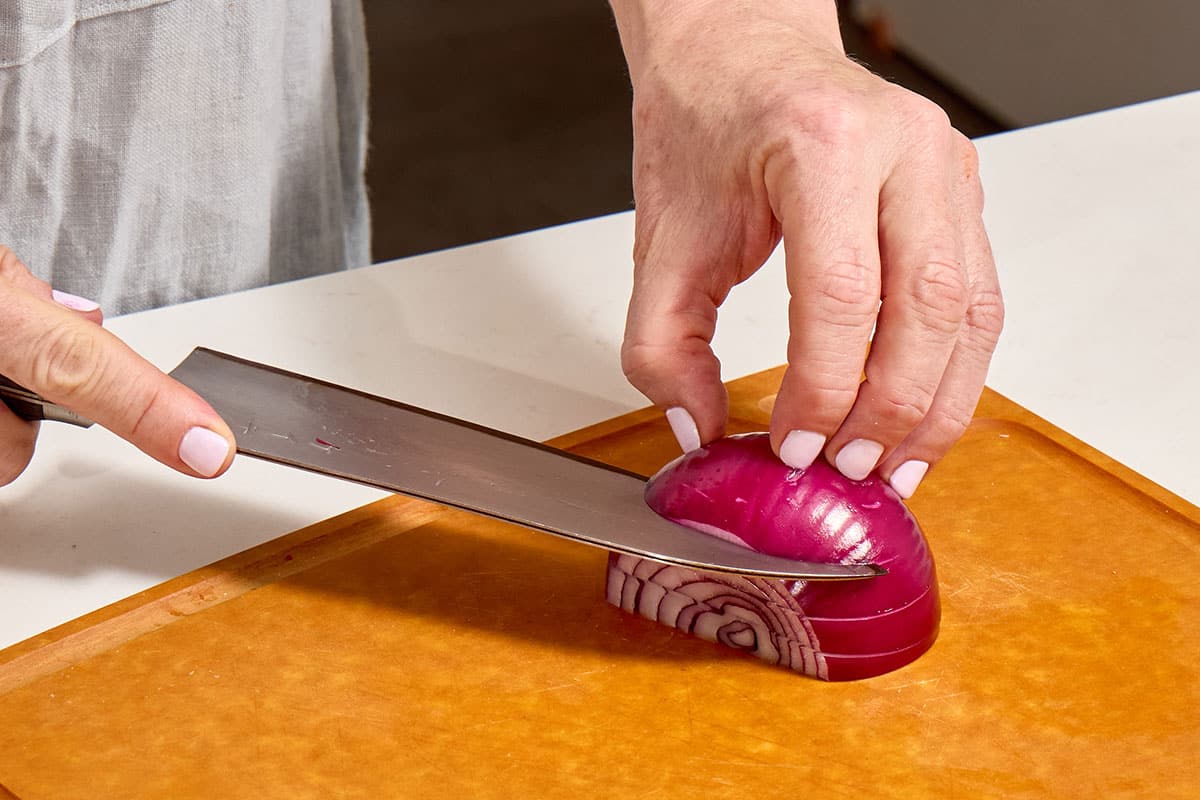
(737,489)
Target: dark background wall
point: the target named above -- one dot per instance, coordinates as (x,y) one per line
(494,118)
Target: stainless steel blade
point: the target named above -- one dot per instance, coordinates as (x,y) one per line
(307,423)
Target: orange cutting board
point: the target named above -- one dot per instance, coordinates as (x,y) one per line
(402,650)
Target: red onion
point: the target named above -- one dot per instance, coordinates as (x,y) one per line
(834,630)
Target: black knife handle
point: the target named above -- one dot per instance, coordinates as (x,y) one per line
(31,406)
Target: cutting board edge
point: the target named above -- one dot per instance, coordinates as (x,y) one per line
(994,405)
(129,618)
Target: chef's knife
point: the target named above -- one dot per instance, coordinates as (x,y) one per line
(332,430)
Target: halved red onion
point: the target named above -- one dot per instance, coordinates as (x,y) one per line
(834,630)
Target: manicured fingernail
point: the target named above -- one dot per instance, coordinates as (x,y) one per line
(801,448)
(906,477)
(204,451)
(684,428)
(73,302)
(858,458)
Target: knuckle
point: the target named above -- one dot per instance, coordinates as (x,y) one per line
(634,361)
(797,126)
(968,156)
(924,116)
(67,363)
(985,316)
(641,362)
(948,425)
(970,184)
(803,133)
(939,294)
(837,399)
(646,363)
(837,123)
(848,289)
(907,408)
(822,394)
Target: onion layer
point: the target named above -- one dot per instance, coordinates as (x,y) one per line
(833,630)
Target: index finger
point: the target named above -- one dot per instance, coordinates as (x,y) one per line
(73,362)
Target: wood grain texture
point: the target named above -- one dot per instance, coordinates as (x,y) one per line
(446,655)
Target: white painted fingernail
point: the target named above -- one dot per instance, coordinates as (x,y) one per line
(907,477)
(858,458)
(73,302)
(684,428)
(204,451)
(801,448)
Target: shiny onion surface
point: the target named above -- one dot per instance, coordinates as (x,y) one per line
(737,489)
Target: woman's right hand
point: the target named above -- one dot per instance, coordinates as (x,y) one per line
(52,343)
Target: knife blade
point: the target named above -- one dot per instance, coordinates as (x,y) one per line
(310,424)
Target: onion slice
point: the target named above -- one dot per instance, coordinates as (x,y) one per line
(737,489)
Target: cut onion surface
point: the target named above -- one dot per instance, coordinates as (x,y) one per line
(736,488)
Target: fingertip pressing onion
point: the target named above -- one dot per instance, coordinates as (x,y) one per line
(736,488)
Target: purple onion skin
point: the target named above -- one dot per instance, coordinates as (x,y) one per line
(834,630)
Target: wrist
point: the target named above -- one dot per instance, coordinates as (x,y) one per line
(644,25)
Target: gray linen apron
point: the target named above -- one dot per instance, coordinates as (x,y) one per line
(157,151)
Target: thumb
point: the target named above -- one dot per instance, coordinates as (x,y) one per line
(71,361)
(667,353)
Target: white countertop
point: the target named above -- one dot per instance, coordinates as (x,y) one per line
(1092,220)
